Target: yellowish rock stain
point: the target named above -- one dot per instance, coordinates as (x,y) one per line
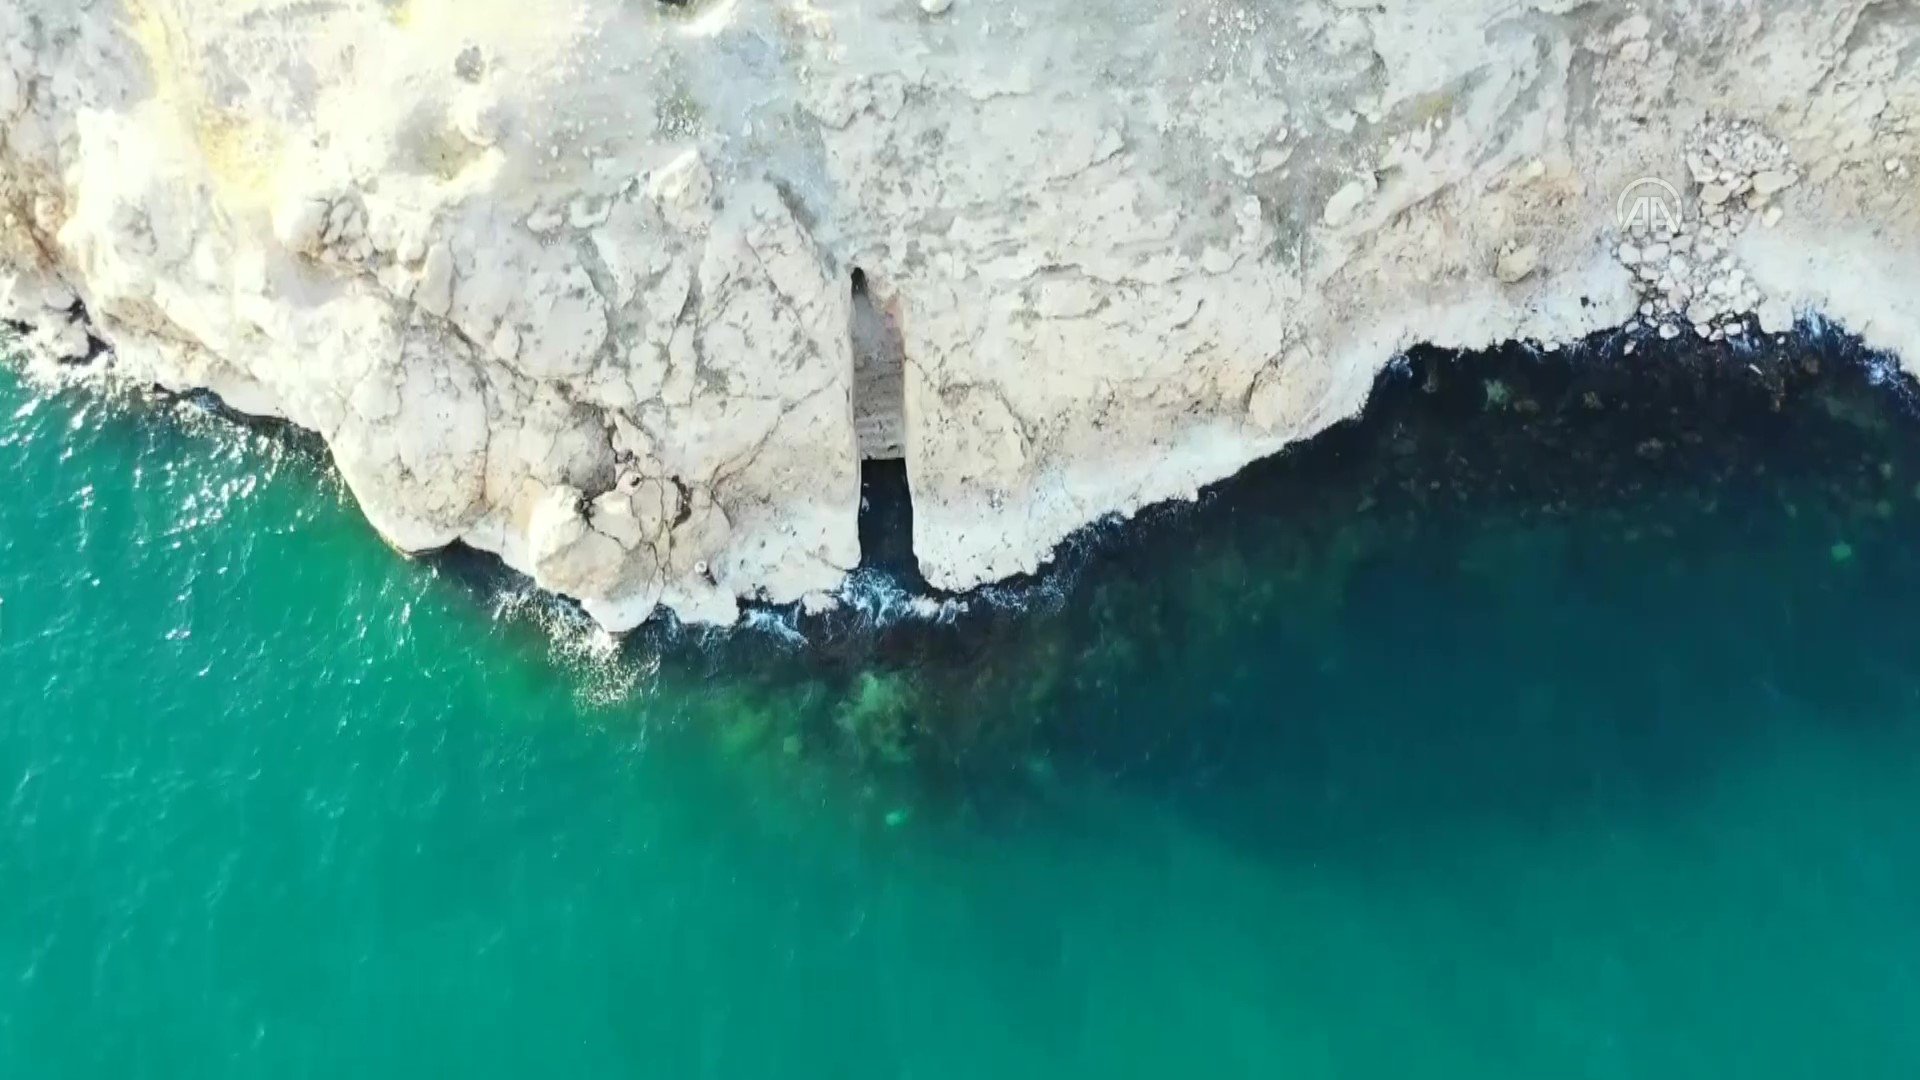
(241,156)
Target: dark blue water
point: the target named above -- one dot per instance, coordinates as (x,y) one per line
(1566,727)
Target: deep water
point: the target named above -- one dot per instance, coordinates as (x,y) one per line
(1558,718)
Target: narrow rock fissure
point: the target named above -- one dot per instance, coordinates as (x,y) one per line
(879,359)
(880,432)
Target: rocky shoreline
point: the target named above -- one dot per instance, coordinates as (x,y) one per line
(1645,456)
(581,292)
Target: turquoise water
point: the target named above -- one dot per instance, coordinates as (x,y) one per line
(1553,721)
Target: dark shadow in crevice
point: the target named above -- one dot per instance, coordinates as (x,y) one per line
(886,524)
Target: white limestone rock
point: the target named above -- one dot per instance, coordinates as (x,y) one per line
(1775,317)
(1516,262)
(572,285)
(569,553)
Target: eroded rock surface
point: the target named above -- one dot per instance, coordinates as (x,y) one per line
(572,282)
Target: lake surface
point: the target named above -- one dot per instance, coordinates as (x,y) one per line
(1559,718)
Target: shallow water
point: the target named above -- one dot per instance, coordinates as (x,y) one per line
(1561,718)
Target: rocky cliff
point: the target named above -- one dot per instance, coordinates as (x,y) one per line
(620,289)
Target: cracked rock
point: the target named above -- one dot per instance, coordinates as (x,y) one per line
(579,293)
